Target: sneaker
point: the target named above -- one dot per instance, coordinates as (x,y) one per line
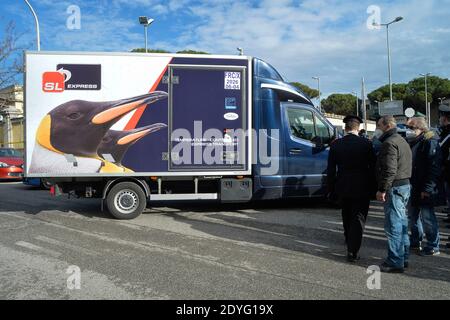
(384,267)
(351,257)
(429,253)
(416,249)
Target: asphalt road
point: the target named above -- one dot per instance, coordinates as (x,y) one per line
(275,250)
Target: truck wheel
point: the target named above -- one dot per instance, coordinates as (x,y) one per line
(126,200)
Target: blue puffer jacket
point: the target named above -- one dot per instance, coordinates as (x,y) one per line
(427,173)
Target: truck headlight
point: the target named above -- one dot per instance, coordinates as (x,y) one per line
(4,165)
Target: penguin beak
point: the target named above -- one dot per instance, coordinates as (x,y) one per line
(119,108)
(136,134)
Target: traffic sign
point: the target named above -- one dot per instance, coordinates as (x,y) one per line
(391,108)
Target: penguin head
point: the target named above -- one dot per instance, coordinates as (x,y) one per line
(77,127)
(116,143)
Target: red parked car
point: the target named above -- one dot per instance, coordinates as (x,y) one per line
(11,164)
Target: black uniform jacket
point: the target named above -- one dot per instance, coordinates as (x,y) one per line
(351,168)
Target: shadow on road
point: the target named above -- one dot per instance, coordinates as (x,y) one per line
(316,230)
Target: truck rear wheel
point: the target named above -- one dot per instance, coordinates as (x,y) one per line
(126,200)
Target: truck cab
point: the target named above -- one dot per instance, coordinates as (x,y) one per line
(303,137)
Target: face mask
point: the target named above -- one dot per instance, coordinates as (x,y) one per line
(411,135)
(378,133)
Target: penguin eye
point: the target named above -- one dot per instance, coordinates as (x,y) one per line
(74,116)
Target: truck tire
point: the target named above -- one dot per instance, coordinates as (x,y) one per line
(126,201)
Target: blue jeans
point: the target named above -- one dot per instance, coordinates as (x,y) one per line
(424,218)
(396,225)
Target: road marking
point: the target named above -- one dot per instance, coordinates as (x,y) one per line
(34,247)
(312,244)
(66,245)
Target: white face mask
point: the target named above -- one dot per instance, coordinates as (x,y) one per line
(410,135)
(378,133)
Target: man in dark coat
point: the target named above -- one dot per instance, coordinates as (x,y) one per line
(354,159)
(444,142)
(427,187)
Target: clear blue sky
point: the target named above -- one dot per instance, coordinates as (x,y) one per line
(301,39)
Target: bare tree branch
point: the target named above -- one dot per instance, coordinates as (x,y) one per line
(11,63)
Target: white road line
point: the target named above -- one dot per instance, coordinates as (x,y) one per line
(34,247)
(66,245)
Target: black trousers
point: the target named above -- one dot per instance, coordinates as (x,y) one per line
(354,216)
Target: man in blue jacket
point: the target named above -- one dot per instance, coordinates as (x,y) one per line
(427,187)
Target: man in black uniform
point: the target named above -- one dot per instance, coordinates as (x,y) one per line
(444,142)
(353,182)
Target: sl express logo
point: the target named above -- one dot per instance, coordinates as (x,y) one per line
(72,77)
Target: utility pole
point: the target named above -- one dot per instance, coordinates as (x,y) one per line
(363,98)
(427,107)
(318,88)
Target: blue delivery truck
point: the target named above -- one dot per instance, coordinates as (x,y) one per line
(132,128)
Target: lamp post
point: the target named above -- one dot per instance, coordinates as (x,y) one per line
(357,105)
(318,88)
(145,21)
(398,19)
(38,37)
(427,109)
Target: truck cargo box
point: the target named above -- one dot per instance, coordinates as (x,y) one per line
(130,114)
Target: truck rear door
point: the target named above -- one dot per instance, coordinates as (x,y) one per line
(207,106)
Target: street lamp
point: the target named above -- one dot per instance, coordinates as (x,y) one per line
(398,19)
(427,109)
(145,21)
(38,37)
(318,88)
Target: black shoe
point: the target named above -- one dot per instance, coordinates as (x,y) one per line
(406,265)
(429,253)
(351,257)
(388,269)
(416,249)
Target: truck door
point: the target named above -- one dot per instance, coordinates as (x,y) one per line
(208,106)
(306,137)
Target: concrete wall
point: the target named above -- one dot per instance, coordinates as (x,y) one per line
(16,134)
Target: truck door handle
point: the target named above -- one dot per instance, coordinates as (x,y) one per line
(295,151)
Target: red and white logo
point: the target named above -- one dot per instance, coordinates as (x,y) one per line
(53,81)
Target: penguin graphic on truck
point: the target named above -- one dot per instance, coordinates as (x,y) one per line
(133,128)
(69,136)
